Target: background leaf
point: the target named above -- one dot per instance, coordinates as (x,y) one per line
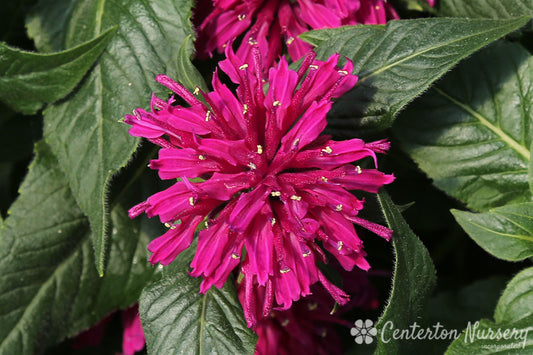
(531,169)
(398,62)
(83,131)
(412,283)
(453,309)
(177,319)
(516,302)
(471,133)
(514,311)
(505,232)
(29,80)
(46,24)
(495,9)
(49,288)
(187,73)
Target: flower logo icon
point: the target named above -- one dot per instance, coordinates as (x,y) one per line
(364,331)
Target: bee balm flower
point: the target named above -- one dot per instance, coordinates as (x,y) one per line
(268,23)
(272,185)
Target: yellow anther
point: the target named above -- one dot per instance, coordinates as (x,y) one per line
(296,198)
(241,17)
(344,72)
(285,270)
(290,40)
(307,253)
(276,193)
(339,246)
(285,322)
(312,306)
(235,256)
(327,150)
(167,225)
(244,109)
(323,178)
(296,141)
(276,103)
(273,221)
(252,41)
(201,157)
(252,166)
(244,66)
(338,208)
(259,149)
(196,91)
(191,201)
(358,169)
(377,7)
(313,66)
(207,116)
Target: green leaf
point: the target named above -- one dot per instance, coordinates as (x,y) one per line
(514,312)
(178,320)
(516,302)
(505,232)
(495,9)
(83,131)
(412,283)
(47,23)
(453,310)
(49,288)
(398,62)
(531,169)
(471,132)
(417,5)
(29,80)
(188,75)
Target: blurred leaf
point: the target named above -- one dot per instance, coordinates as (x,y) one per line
(495,9)
(188,75)
(12,17)
(530,172)
(505,232)
(456,308)
(178,320)
(514,312)
(83,131)
(516,302)
(412,283)
(49,288)
(397,62)
(471,134)
(29,80)
(47,24)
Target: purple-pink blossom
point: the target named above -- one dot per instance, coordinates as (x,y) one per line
(309,326)
(266,184)
(274,24)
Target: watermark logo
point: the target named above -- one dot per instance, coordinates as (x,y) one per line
(501,338)
(364,331)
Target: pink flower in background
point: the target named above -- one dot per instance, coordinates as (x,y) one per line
(308,326)
(271,184)
(275,23)
(431,2)
(132,337)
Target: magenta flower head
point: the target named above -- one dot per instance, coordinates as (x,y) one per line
(272,186)
(268,23)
